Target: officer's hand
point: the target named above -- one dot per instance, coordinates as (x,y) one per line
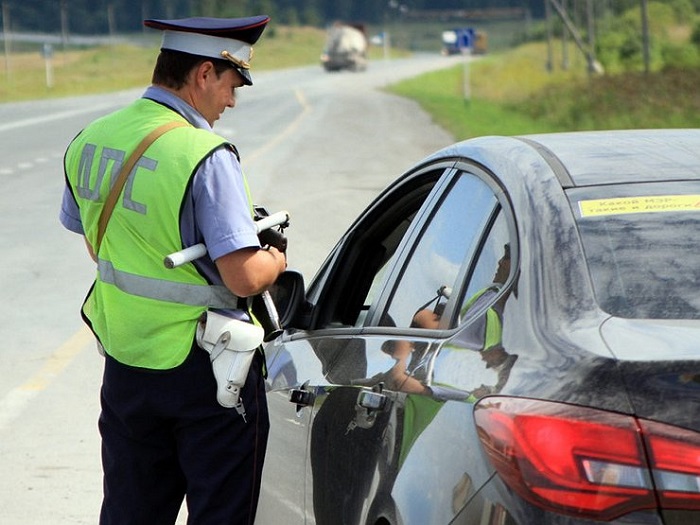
(273,238)
(279,256)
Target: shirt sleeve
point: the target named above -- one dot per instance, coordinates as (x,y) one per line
(70,214)
(222,209)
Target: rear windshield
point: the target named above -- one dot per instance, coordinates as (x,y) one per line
(642,248)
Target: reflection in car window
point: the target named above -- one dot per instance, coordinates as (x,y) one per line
(644,264)
(493,266)
(446,243)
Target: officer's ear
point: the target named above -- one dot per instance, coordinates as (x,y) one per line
(202,73)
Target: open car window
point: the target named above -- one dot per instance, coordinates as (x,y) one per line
(356,274)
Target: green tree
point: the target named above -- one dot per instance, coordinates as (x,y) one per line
(621,47)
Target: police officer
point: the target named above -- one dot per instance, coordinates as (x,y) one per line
(164,436)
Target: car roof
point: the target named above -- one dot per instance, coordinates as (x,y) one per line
(613,157)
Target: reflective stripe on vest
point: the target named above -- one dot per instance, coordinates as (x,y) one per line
(182,293)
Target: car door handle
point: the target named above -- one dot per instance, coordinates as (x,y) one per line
(372,401)
(301,397)
(369,404)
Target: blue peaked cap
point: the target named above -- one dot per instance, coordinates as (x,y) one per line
(229,39)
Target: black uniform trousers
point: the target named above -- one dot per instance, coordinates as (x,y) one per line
(165,437)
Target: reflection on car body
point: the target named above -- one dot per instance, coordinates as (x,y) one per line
(507,335)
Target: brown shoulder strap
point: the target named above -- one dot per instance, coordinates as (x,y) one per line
(124,173)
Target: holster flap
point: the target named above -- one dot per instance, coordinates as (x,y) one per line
(242,336)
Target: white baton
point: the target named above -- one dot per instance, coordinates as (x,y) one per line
(199,250)
(184,256)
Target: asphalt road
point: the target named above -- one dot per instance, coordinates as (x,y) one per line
(319,145)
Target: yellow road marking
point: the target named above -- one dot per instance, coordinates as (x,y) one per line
(16,400)
(305,108)
(59,360)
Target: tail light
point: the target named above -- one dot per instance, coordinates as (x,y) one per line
(589,463)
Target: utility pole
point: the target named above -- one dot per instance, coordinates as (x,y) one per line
(111,24)
(565,43)
(144,14)
(64,25)
(645,35)
(8,38)
(548,22)
(588,51)
(590,14)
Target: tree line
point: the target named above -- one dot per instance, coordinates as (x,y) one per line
(125,16)
(101,16)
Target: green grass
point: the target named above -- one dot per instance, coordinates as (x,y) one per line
(289,47)
(513,93)
(442,95)
(632,100)
(99,70)
(507,93)
(112,68)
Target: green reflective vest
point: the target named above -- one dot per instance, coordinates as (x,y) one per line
(493,328)
(143,314)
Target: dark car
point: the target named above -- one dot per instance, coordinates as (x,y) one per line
(509,334)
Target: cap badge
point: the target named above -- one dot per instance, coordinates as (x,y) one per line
(240,63)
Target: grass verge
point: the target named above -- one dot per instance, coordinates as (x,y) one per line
(117,67)
(514,93)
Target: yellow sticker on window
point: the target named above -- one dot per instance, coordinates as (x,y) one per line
(651,204)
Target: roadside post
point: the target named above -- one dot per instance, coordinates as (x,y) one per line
(467,44)
(466,81)
(47,53)
(7,38)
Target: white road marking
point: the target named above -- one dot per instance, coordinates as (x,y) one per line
(277,496)
(54,116)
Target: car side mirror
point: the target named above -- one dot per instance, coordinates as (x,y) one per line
(289,295)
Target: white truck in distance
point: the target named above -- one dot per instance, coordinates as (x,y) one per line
(346,48)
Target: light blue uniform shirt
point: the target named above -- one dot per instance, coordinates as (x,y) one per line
(215,210)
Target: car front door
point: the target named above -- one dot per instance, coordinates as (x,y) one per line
(359,375)
(329,354)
